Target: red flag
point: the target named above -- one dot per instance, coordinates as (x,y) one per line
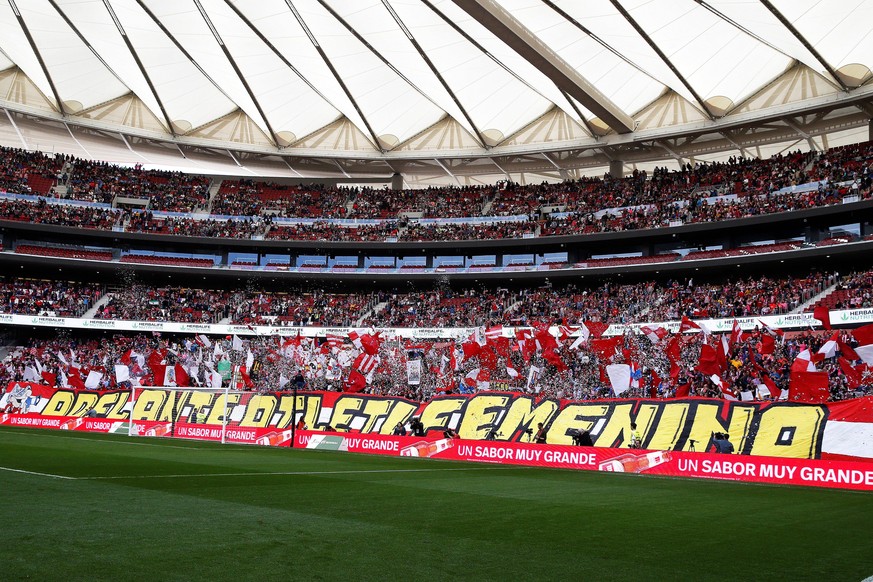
(355,383)
(492,333)
(853,374)
(656,382)
(156,358)
(709,361)
(471,349)
(687,325)
(182,378)
(674,349)
(655,334)
(809,387)
(605,348)
(767,345)
(736,334)
(774,331)
(75,381)
(487,358)
(50,379)
(244,376)
(501,346)
(864,334)
(545,339)
(159,372)
(823,314)
(370,343)
(771,386)
(597,328)
(552,357)
(365,363)
(847,351)
(682,391)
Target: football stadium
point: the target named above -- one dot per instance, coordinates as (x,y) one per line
(422,289)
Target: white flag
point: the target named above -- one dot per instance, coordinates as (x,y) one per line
(619,377)
(584,334)
(122,373)
(93,380)
(30,375)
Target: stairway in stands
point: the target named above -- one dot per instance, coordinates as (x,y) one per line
(808,305)
(104,299)
(213,192)
(374,310)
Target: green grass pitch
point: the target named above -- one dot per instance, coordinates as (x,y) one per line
(101,507)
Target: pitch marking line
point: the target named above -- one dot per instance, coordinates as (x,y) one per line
(112,442)
(302,473)
(38,473)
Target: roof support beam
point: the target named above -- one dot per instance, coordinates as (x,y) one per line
(808,45)
(38,56)
(159,23)
(790,123)
(354,32)
(447,171)
(734,143)
(508,29)
(800,131)
(495,60)
(142,69)
(17,131)
(237,70)
(341,169)
(499,167)
(84,40)
(435,71)
(663,145)
(632,21)
(278,53)
(290,167)
(335,74)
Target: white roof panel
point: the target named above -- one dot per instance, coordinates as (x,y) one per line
(387,71)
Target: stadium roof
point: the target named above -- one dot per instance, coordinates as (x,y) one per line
(405,82)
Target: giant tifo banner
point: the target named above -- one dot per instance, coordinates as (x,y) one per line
(831,431)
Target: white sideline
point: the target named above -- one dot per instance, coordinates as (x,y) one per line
(38,473)
(302,473)
(111,442)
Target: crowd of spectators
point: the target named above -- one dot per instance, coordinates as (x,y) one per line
(443,306)
(24,172)
(41,212)
(188,305)
(168,191)
(670,367)
(251,198)
(737,188)
(48,298)
(325,231)
(147,222)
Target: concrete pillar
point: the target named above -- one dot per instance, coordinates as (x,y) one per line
(616,168)
(397,181)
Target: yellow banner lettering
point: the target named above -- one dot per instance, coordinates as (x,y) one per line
(790,431)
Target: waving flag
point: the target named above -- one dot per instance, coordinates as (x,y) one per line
(619,378)
(823,314)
